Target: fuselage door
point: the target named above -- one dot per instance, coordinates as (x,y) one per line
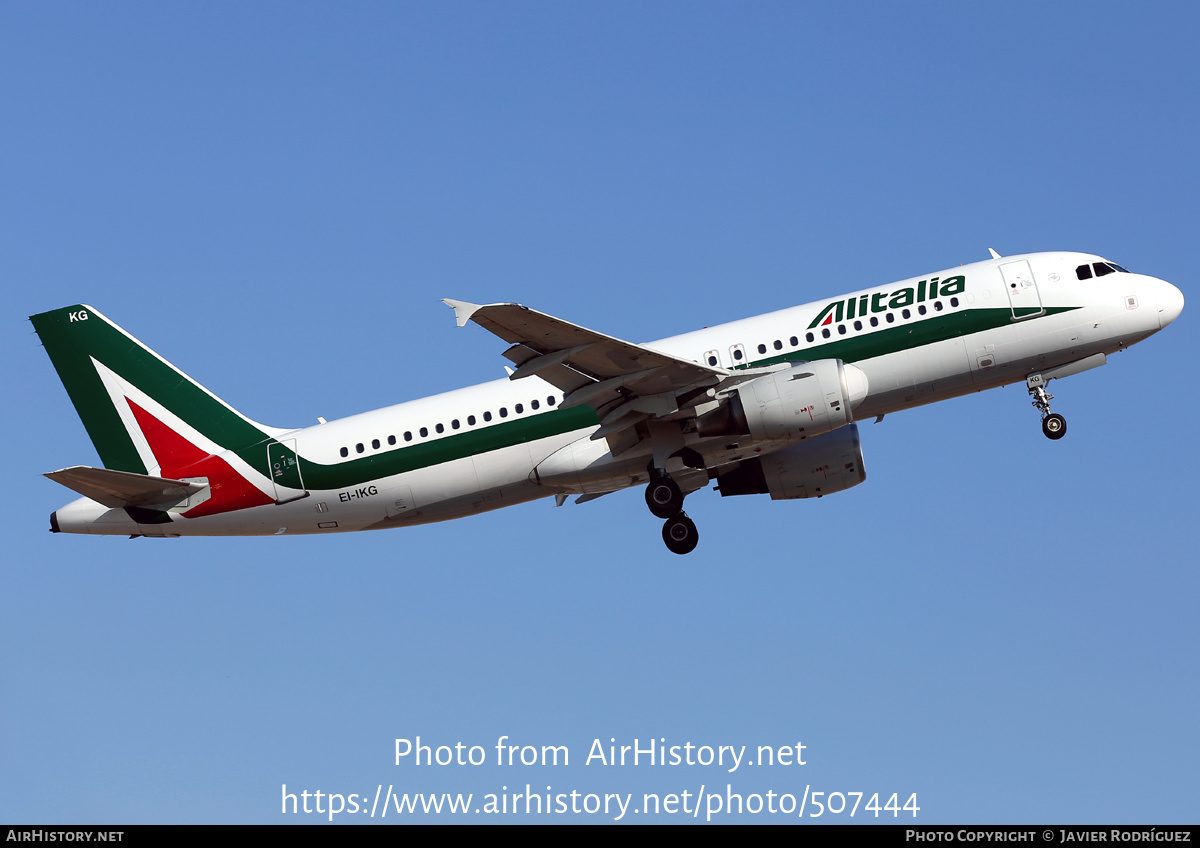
(398,501)
(1022,290)
(283,467)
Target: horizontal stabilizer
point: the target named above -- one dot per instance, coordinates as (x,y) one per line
(117,489)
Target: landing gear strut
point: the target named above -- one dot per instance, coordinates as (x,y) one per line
(665,500)
(1053,424)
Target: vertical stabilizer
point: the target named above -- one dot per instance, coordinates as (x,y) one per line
(117,385)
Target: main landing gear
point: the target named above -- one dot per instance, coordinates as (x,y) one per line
(665,500)
(663,496)
(680,534)
(1053,424)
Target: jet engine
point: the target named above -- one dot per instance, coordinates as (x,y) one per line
(800,402)
(821,466)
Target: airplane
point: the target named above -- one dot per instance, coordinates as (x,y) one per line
(763,405)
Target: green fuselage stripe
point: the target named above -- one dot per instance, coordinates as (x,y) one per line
(353,472)
(904,335)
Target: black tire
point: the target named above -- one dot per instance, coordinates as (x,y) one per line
(1054,426)
(663,497)
(680,534)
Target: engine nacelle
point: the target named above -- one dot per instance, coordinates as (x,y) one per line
(831,463)
(800,402)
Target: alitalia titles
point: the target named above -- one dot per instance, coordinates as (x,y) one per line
(863,305)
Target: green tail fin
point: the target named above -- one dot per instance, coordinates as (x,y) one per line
(97,362)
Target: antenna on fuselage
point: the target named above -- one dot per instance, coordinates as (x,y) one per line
(995,255)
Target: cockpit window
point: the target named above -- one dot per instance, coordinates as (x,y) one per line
(1101,268)
(1084,272)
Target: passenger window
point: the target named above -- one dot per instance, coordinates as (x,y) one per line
(374,444)
(533,403)
(1084,272)
(712,360)
(841,329)
(359,448)
(825,333)
(794,342)
(440,428)
(858,325)
(408,435)
(808,337)
(891,318)
(391,440)
(737,354)
(778,344)
(345,451)
(907,314)
(954,301)
(762,348)
(504,412)
(874,321)
(487,416)
(922,309)
(424,432)
(550,400)
(470,420)
(519,408)
(454,424)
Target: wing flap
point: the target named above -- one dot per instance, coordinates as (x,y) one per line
(116,489)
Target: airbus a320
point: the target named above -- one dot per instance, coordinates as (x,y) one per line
(764,405)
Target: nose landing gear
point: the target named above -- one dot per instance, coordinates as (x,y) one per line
(1053,425)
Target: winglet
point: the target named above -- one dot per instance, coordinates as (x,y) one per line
(462,310)
(995,255)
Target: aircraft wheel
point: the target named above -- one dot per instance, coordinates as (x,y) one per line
(1054,426)
(663,497)
(680,534)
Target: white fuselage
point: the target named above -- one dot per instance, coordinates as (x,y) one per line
(1068,320)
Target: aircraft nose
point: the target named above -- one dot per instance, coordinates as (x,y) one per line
(1170,304)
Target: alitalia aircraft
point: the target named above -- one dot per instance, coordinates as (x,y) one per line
(763,405)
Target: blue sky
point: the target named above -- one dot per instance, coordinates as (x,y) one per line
(275,196)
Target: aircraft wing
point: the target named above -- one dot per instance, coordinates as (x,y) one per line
(622,381)
(115,489)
